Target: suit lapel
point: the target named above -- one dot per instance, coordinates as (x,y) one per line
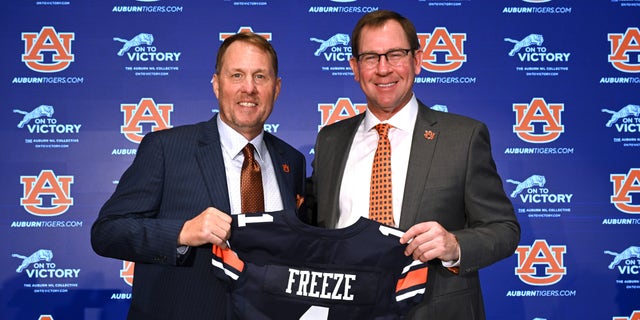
(422,148)
(211,163)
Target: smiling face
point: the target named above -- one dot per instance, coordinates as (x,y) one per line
(246,87)
(388,88)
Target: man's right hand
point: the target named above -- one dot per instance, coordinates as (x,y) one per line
(210,226)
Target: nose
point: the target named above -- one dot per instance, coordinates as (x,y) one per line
(249,85)
(383,65)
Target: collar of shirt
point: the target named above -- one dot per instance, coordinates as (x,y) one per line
(404,120)
(233,142)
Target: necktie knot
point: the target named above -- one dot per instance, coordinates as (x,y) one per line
(248,152)
(383,129)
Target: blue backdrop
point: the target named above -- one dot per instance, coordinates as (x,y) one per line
(556,81)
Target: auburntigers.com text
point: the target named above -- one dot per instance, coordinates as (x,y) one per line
(445,80)
(541,293)
(46,224)
(37,80)
(538,151)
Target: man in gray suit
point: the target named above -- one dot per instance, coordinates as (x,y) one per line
(175,199)
(446,191)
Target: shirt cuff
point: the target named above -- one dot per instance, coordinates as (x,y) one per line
(451,264)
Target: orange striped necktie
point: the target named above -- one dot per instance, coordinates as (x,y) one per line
(380,197)
(251,194)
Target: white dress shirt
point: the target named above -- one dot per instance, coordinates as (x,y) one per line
(354,189)
(232,144)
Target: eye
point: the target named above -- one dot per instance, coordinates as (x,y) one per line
(396,54)
(369,58)
(236,77)
(261,78)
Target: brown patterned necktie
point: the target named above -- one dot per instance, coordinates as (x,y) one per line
(380,201)
(251,194)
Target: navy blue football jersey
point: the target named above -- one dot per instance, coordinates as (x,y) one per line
(281,268)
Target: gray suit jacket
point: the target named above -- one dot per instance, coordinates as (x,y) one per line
(451,179)
(177,173)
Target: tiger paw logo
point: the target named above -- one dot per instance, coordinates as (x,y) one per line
(126,273)
(442,51)
(46,185)
(623,186)
(623,47)
(47,50)
(541,264)
(342,109)
(146,111)
(545,115)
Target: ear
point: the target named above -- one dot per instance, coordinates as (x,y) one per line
(216,85)
(278,85)
(353,63)
(417,56)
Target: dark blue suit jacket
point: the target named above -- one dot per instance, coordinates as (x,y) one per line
(177,173)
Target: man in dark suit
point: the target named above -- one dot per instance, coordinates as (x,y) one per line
(175,199)
(446,191)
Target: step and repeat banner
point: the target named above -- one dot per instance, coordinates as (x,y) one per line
(556,81)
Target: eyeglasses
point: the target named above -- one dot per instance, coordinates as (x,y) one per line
(394,57)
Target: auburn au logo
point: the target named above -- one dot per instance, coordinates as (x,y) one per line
(541,113)
(56,45)
(126,273)
(45,317)
(623,45)
(342,109)
(225,35)
(623,186)
(634,316)
(57,189)
(541,264)
(147,111)
(450,47)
